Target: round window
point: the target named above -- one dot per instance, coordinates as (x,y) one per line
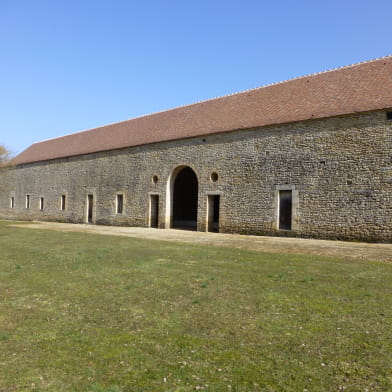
(214,177)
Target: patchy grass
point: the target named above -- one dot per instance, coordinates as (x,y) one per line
(82,312)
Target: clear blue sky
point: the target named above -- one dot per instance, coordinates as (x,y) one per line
(71,65)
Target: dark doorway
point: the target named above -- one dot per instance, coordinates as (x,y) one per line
(90,205)
(213,213)
(120,203)
(285,209)
(185,191)
(154,211)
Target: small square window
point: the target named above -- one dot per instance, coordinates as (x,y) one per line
(120,203)
(389,116)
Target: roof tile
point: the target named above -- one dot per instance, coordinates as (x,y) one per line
(357,88)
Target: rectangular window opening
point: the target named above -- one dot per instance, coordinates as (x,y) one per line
(154,211)
(389,116)
(120,203)
(62,203)
(12,202)
(27,201)
(41,203)
(90,206)
(213,209)
(285,209)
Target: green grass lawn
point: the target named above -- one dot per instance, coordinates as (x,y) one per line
(83,312)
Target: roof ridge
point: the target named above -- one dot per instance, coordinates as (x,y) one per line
(280,82)
(222,96)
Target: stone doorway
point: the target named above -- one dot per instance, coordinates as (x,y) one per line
(213,209)
(285,209)
(154,211)
(184,199)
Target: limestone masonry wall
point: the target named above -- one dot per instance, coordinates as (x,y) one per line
(339,170)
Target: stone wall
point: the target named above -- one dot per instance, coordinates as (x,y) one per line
(339,170)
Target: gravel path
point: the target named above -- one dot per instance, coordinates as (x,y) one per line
(339,249)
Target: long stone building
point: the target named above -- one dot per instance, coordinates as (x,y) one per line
(308,157)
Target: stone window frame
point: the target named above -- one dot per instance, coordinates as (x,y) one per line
(28,201)
(65,204)
(294,206)
(12,200)
(121,193)
(214,177)
(154,179)
(214,193)
(41,203)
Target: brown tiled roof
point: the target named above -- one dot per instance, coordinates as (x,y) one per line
(356,88)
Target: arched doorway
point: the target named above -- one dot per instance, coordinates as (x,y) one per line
(184,202)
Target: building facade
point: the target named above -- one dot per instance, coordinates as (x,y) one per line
(325,173)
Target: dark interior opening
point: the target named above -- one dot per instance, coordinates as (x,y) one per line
(90,204)
(154,211)
(120,202)
(185,191)
(389,115)
(285,209)
(213,213)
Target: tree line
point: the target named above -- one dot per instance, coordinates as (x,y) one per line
(5,155)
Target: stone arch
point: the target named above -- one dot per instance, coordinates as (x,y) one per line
(182,199)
